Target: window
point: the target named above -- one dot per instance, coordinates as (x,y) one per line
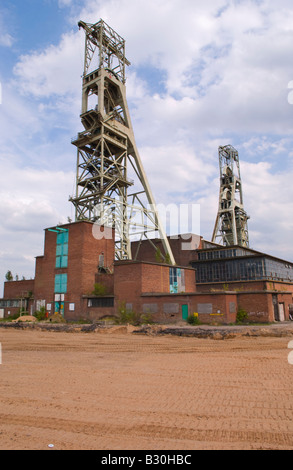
(277,270)
(101,302)
(177,280)
(9,303)
(60,283)
(62,250)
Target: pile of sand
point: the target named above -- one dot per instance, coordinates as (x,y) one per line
(26,318)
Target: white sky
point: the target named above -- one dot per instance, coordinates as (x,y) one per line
(202,74)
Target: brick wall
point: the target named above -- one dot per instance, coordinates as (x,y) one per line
(279,286)
(45,269)
(15,290)
(154,278)
(143,277)
(259,306)
(18,289)
(84,251)
(190,281)
(183,249)
(256,297)
(127,283)
(238,286)
(145,288)
(216,308)
(106,280)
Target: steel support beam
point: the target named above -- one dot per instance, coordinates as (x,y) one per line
(231,222)
(107,151)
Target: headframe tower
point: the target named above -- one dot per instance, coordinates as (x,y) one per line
(111,184)
(231,222)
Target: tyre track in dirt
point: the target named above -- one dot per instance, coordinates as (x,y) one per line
(105,430)
(117,391)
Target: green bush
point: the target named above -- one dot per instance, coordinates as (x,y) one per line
(146,319)
(40,314)
(99,289)
(242,316)
(193,320)
(130,316)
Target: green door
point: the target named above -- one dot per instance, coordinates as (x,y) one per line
(59,308)
(184,312)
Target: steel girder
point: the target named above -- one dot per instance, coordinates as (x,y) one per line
(231,222)
(106,150)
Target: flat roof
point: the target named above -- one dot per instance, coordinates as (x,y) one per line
(129,261)
(253,253)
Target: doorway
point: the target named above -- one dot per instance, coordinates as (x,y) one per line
(59,308)
(281,312)
(184,312)
(275,305)
(279,309)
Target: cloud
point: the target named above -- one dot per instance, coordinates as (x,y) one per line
(6,39)
(64,3)
(268,199)
(216,68)
(173,170)
(56,71)
(31,200)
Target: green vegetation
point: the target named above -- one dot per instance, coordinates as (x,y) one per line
(10,318)
(99,289)
(242,316)
(40,314)
(193,320)
(9,276)
(160,258)
(167,259)
(158,255)
(126,316)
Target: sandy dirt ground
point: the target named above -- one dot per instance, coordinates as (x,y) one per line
(109,391)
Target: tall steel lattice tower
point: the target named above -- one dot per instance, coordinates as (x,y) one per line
(111,185)
(231,223)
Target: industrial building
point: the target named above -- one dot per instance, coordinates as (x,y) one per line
(116,252)
(211,280)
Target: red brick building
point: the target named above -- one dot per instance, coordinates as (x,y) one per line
(77,277)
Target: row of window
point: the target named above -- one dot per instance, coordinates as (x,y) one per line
(9,303)
(242,270)
(275,269)
(61,261)
(60,283)
(221,254)
(62,250)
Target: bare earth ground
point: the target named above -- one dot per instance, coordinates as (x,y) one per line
(111,390)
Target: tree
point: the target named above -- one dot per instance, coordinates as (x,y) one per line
(9,276)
